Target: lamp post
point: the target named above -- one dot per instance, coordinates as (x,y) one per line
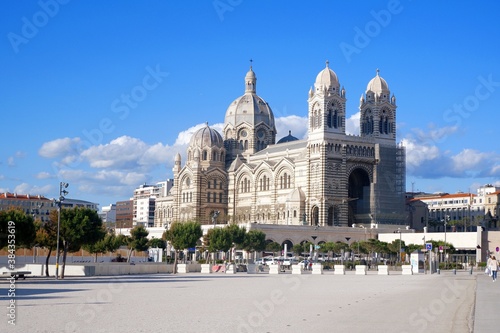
(347,240)
(446,219)
(36,212)
(399,232)
(62,194)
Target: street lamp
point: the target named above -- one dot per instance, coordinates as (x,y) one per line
(399,231)
(36,212)
(62,194)
(347,240)
(445,221)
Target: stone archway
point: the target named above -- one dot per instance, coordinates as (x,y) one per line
(358,194)
(315,215)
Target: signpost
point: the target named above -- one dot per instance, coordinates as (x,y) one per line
(428,248)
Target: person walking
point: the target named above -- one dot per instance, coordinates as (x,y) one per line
(494,268)
(488,268)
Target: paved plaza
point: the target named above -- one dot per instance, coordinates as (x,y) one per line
(255,303)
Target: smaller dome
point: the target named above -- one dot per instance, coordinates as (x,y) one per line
(287,138)
(377,85)
(297,195)
(327,78)
(206,137)
(250,75)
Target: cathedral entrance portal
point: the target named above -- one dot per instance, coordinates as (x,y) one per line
(315,215)
(359,195)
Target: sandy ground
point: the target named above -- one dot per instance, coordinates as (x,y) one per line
(243,303)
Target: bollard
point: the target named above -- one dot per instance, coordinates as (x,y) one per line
(454,271)
(438,271)
(471,271)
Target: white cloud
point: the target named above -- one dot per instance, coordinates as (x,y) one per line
(352,124)
(44,175)
(60,147)
(434,135)
(469,159)
(418,153)
(25,188)
(10,161)
(124,152)
(297,125)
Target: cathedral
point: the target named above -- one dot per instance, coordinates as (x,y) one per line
(331,179)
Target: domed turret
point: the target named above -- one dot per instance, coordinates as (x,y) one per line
(378,111)
(326,80)
(378,86)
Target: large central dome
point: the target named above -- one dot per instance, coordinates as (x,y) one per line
(249,108)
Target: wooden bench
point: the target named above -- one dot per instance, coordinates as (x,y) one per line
(17,274)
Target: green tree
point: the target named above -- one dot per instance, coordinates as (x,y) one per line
(46,236)
(78,226)
(297,249)
(255,240)
(108,243)
(410,248)
(138,240)
(183,235)
(237,234)
(218,239)
(23,228)
(157,243)
(273,247)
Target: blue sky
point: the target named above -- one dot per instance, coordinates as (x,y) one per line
(102,95)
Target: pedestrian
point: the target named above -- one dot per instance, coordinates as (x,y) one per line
(488,265)
(494,268)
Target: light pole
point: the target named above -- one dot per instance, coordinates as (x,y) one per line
(399,232)
(446,219)
(62,194)
(347,240)
(36,212)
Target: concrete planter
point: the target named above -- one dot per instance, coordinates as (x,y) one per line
(205,269)
(182,268)
(361,269)
(252,269)
(274,269)
(339,269)
(383,270)
(231,269)
(407,270)
(317,268)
